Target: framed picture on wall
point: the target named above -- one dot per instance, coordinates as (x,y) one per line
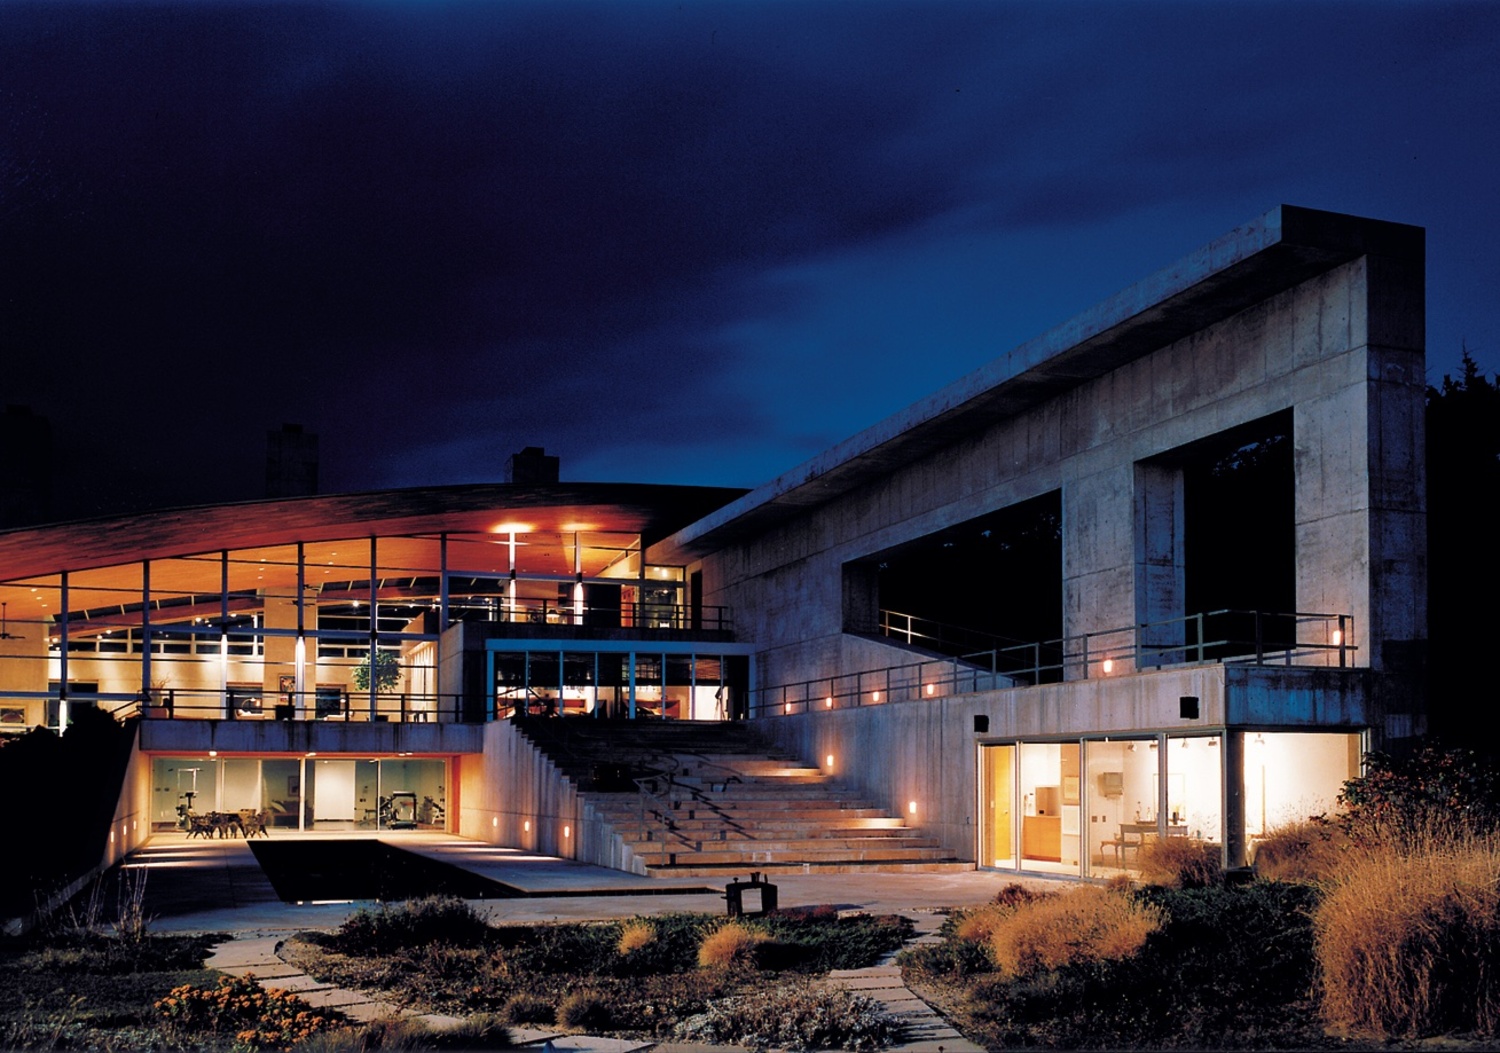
(288,684)
(12,716)
(1070,789)
(294,786)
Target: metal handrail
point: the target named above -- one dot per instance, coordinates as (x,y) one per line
(1081,657)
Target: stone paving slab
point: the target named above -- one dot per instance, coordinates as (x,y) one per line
(332,998)
(525,1036)
(301,983)
(364,1012)
(264,973)
(444,1022)
(592,1044)
(237,954)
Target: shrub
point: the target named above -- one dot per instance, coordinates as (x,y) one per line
(820,940)
(240,1008)
(481,1031)
(433,919)
(1409,943)
(405,1035)
(1016,894)
(796,1019)
(1433,795)
(1178,862)
(636,934)
(1308,852)
(731,945)
(1229,967)
(952,959)
(1087,924)
(582,1010)
(526,1008)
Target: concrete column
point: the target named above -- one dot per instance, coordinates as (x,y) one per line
(1232,757)
(1099,567)
(1160,575)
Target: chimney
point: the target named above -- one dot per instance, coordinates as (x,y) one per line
(531,466)
(291,462)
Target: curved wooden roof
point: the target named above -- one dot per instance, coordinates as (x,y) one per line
(651,510)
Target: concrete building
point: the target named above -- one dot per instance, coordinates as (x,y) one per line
(1200,506)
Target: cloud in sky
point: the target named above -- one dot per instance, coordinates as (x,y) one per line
(671,242)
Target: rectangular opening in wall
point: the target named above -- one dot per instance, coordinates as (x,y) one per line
(991,585)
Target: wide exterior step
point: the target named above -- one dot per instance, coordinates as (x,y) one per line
(720,804)
(729,871)
(685,856)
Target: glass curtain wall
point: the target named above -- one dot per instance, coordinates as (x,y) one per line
(326,794)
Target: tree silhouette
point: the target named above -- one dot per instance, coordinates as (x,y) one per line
(1463,477)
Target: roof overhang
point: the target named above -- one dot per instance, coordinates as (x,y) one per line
(1250,264)
(637,508)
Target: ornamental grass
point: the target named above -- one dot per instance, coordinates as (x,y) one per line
(1408,942)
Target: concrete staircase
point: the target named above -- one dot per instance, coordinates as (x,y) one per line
(706,799)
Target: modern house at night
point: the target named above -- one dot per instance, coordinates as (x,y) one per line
(1158,572)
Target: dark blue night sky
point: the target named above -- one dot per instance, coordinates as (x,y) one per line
(670,242)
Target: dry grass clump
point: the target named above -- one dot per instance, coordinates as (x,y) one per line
(730,945)
(976,925)
(1179,862)
(1307,852)
(1408,943)
(636,933)
(1087,924)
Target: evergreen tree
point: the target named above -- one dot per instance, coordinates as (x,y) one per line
(1463,478)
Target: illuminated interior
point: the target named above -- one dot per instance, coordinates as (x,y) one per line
(288,630)
(1089,808)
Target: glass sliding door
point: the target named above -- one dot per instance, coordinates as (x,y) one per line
(1120,809)
(997,836)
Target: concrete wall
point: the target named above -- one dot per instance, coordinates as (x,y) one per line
(309,736)
(926,752)
(1356,408)
(513,784)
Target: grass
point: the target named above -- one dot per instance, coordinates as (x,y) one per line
(1408,942)
(1088,924)
(1225,968)
(1308,852)
(93,992)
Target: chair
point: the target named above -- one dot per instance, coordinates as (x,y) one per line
(257,823)
(199,825)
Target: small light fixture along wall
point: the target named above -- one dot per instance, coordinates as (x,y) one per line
(931,689)
(830,761)
(911,807)
(567,831)
(1338,637)
(787,709)
(1108,665)
(495,821)
(526,826)
(213,753)
(875,696)
(828,702)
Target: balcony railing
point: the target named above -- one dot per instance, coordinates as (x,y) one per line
(640,615)
(1226,636)
(240,704)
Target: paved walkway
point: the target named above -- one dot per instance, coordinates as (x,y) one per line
(216,886)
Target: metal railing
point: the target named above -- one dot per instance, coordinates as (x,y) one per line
(239,704)
(638,615)
(1225,636)
(664,800)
